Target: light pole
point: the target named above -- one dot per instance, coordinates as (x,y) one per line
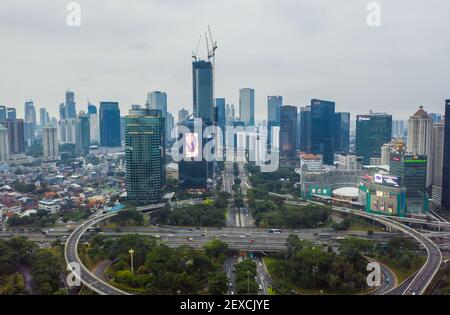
(131,251)
(248,282)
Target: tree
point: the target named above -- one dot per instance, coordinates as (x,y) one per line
(217,283)
(215,248)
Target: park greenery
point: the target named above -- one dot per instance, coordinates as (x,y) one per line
(280,182)
(159,269)
(39,219)
(245,277)
(46,267)
(444,283)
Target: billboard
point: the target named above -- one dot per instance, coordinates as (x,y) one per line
(388,180)
(191,145)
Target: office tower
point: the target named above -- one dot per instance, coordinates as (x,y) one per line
(446,162)
(70,126)
(30,121)
(3,115)
(62,111)
(145,156)
(342,131)
(122,128)
(170,125)
(247,106)
(221,113)
(84,133)
(16,136)
(93,124)
(436,163)
(372,131)
(183,114)
(411,169)
(203,90)
(158,100)
(274,104)
(50,143)
(43,117)
(4,144)
(109,124)
(398,129)
(288,132)
(420,129)
(70,105)
(323,134)
(436,117)
(11,113)
(305,129)
(54,122)
(232,113)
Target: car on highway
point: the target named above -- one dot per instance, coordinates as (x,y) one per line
(190,239)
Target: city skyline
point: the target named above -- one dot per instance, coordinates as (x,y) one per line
(387,65)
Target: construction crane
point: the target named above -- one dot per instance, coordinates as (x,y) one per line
(195,53)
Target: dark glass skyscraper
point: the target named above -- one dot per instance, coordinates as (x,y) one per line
(145,156)
(412,172)
(446,162)
(372,131)
(305,129)
(274,104)
(288,132)
(3,115)
(11,113)
(16,135)
(85,133)
(220,113)
(322,129)
(70,106)
(109,124)
(202,78)
(92,109)
(342,132)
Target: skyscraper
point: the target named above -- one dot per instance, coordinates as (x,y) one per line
(305,132)
(288,132)
(437,157)
(420,129)
(446,162)
(274,104)
(436,117)
(372,132)
(398,128)
(247,106)
(62,111)
(109,124)
(145,156)
(342,132)
(2,113)
(323,134)
(11,113)
(221,113)
(170,125)
(183,114)
(70,105)
(411,170)
(30,121)
(16,136)
(203,90)
(4,144)
(43,117)
(93,124)
(50,143)
(84,133)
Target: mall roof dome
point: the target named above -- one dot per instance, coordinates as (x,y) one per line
(351,192)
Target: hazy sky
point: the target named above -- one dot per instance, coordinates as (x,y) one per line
(298,49)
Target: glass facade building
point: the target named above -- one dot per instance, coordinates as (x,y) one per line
(372,131)
(202,78)
(145,156)
(247,106)
(342,132)
(322,129)
(109,124)
(288,132)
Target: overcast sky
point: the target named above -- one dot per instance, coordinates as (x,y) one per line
(300,49)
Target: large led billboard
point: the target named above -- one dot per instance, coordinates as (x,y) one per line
(191,145)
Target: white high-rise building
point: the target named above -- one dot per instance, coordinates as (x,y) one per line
(420,129)
(94,128)
(4,144)
(437,159)
(71,132)
(50,143)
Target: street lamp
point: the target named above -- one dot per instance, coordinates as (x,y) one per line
(131,251)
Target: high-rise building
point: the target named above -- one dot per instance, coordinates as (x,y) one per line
(50,143)
(247,106)
(70,105)
(43,117)
(170,125)
(323,134)
(411,170)
(30,121)
(4,144)
(396,145)
(437,157)
(274,104)
(109,124)
(70,127)
(232,113)
(446,162)
(372,131)
(288,132)
(11,113)
(420,129)
(436,117)
(84,133)
(203,90)
(183,114)
(145,156)
(305,129)
(93,124)
(3,115)
(62,111)
(398,129)
(342,143)
(16,136)
(221,113)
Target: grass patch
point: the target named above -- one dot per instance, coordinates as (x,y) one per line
(401,272)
